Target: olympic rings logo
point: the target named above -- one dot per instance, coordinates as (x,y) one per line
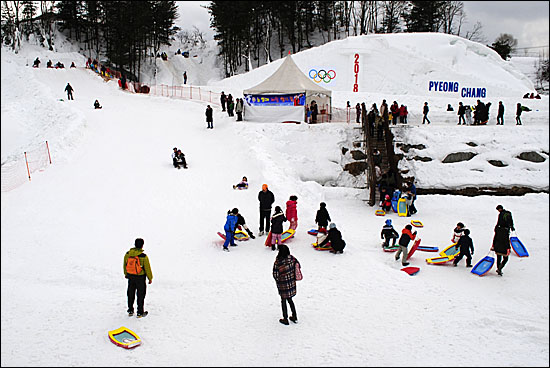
(322,75)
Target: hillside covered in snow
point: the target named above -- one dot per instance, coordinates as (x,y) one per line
(64,233)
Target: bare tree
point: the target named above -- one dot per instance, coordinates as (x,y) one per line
(392,11)
(452,12)
(476,34)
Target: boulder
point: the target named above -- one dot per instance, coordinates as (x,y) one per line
(344,150)
(471,144)
(531,156)
(497,163)
(358,155)
(423,159)
(356,168)
(458,157)
(407,147)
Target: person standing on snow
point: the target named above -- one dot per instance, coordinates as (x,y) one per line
(500,114)
(501,240)
(466,245)
(230,227)
(69,89)
(284,273)
(460,113)
(136,268)
(277,227)
(322,217)
(266,198)
(518,114)
(185,77)
(406,237)
(209,117)
(292,212)
(425,113)
(223,99)
(239,109)
(358,113)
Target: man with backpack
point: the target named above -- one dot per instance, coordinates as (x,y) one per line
(136,268)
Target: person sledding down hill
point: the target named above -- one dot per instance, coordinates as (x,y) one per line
(242,185)
(388,232)
(178,159)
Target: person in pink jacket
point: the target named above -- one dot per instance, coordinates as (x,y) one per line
(292,212)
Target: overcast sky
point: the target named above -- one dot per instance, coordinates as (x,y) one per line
(527,21)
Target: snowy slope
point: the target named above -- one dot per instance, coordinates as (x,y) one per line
(65,233)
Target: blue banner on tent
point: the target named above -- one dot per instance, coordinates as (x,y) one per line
(276,100)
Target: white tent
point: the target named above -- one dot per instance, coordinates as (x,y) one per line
(287,80)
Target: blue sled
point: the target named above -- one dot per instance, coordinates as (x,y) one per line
(518,247)
(483,266)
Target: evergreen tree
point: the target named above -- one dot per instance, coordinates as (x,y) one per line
(504,45)
(28,13)
(424,16)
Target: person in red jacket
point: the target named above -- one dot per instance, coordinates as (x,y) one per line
(406,237)
(394,112)
(403,114)
(292,212)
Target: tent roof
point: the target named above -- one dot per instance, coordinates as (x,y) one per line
(287,79)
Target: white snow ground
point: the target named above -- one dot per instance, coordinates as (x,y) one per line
(65,233)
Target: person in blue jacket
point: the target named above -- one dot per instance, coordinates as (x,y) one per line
(230,226)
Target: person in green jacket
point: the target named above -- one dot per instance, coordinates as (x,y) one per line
(136,268)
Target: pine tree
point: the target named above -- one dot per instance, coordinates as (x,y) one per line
(424,16)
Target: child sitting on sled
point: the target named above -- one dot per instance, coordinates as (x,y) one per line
(386,203)
(243,184)
(388,232)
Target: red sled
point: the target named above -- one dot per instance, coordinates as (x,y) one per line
(411,270)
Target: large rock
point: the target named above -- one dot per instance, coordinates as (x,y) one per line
(458,157)
(497,163)
(356,168)
(344,150)
(358,155)
(407,147)
(531,156)
(423,159)
(471,144)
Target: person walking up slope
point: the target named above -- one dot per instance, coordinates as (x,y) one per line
(425,111)
(466,245)
(501,240)
(136,268)
(69,89)
(406,237)
(284,272)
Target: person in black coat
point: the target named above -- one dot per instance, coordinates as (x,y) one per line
(466,245)
(69,89)
(266,199)
(241,222)
(358,113)
(223,99)
(501,240)
(322,218)
(460,113)
(425,111)
(277,227)
(500,114)
(209,117)
(334,236)
(518,114)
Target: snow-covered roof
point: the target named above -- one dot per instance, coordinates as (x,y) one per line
(287,79)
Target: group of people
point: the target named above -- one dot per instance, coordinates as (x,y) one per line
(481,113)
(231,106)
(532,95)
(49,64)
(312,111)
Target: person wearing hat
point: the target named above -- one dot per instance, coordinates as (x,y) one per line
(209,117)
(501,240)
(334,236)
(406,237)
(230,227)
(388,232)
(277,227)
(266,199)
(292,212)
(136,268)
(174,157)
(386,203)
(457,232)
(241,222)
(466,245)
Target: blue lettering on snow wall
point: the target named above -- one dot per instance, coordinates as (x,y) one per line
(466,92)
